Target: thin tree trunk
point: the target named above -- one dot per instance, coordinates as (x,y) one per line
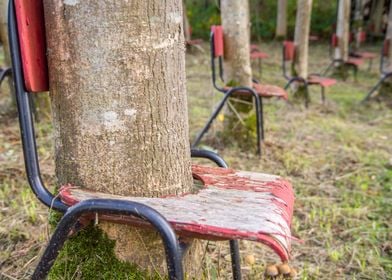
(385,93)
(302,28)
(236,29)
(117,86)
(281,26)
(388,36)
(187,27)
(343,29)
(377,16)
(358,22)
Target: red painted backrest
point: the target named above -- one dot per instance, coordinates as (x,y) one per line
(362,36)
(31,29)
(334,41)
(289,50)
(385,48)
(218,40)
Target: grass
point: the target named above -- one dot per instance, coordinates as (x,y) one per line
(338,156)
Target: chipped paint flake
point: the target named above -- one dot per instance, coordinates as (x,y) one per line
(71,2)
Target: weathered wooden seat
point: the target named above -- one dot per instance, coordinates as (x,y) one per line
(231,205)
(313,79)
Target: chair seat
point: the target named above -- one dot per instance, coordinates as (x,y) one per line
(194,42)
(262,90)
(230,205)
(354,61)
(364,55)
(258,55)
(322,81)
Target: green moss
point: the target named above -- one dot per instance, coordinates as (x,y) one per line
(90,255)
(300,94)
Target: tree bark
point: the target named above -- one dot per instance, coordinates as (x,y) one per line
(281,21)
(343,29)
(301,39)
(117,86)
(236,29)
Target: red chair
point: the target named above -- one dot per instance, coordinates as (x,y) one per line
(267,201)
(257,91)
(363,54)
(313,79)
(384,69)
(352,62)
(257,54)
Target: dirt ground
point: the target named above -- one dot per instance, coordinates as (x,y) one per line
(337,155)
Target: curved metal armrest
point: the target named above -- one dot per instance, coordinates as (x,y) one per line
(218,160)
(117,207)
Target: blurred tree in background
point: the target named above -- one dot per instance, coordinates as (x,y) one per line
(204,13)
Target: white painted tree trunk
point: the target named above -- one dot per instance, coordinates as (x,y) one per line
(343,29)
(301,40)
(236,29)
(281,21)
(117,86)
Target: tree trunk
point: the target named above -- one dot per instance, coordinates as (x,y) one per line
(187,27)
(358,22)
(117,86)
(281,21)
(385,93)
(343,29)
(9,87)
(301,40)
(377,16)
(236,29)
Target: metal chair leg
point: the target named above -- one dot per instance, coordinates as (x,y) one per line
(323,95)
(235,259)
(112,206)
(307,96)
(367,97)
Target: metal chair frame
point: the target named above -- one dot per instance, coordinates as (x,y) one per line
(339,62)
(230,93)
(292,79)
(384,74)
(173,249)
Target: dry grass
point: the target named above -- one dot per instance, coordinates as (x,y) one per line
(338,156)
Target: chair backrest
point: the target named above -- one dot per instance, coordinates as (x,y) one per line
(334,41)
(288,51)
(217,37)
(385,48)
(362,36)
(31,32)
